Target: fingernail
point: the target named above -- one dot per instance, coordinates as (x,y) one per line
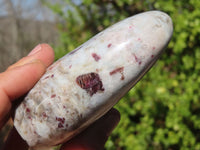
(35,50)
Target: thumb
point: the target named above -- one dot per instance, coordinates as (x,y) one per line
(95,136)
(21,77)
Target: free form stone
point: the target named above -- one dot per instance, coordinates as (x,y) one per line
(83,85)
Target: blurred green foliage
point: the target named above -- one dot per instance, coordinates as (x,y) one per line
(163,110)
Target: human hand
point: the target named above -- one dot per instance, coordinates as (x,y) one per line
(19,78)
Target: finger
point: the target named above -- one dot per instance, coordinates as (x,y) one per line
(21,77)
(14,141)
(94,137)
(16,82)
(41,52)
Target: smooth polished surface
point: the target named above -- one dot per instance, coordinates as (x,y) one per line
(83,85)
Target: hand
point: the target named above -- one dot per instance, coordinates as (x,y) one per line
(19,78)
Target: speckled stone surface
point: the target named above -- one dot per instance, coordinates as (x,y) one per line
(84,84)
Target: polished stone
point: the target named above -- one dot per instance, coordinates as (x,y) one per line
(84,84)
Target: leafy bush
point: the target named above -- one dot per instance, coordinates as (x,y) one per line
(163,110)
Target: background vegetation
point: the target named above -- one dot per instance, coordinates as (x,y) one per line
(163,110)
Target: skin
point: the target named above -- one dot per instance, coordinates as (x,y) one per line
(20,77)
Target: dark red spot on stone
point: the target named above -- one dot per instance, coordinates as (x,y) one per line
(51,67)
(96,57)
(119,70)
(60,125)
(109,45)
(61,122)
(46,77)
(137,59)
(153,47)
(53,95)
(52,75)
(28,110)
(70,66)
(152,56)
(44,114)
(91,82)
